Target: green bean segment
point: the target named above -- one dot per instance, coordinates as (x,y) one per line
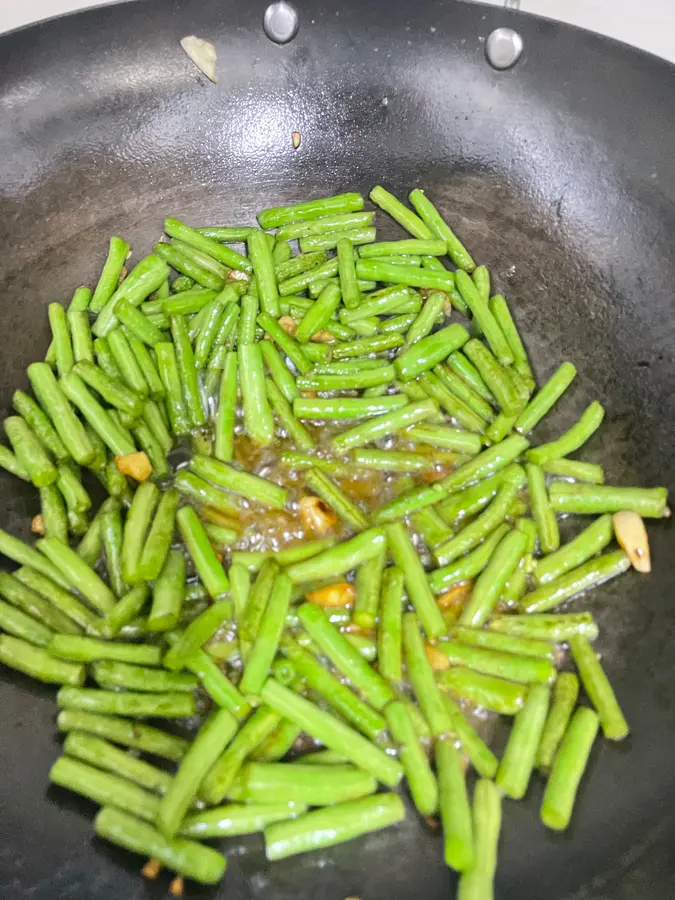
(324,828)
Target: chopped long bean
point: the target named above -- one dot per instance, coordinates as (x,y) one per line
(128,703)
(200,241)
(410,276)
(52,399)
(565,693)
(437,226)
(344,657)
(493,579)
(187,372)
(421,676)
(496,376)
(405,217)
(597,686)
(222,774)
(78,574)
(125,611)
(485,320)
(192,486)
(338,695)
(591,499)
(472,535)
(251,486)
(595,571)
(472,745)
(235,819)
(85,649)
(476,882)
(421,780)
(430,350)
(337,560)
(466,394)
(545,627)
(40,425)
(489,691)
(485,464)
(585,545)
(326,827)
(575,437)
(110,275)
(366,378)
(43,599)
(123,731)
(194,860)
(368,584)
(519,757)
(20,625)
(198,632)
(547,525)
(312,209)
(381,426)
(211,740)
(37,662)
(136,527)
(506,643)
(568,768)
(388,300)
(573,468)
(111,675)
(495,662)
(257,413)
(104,787)
(317,785)
(146,276)
(266,643)
(332,733)
(454,807)
(209,568)
(542,402)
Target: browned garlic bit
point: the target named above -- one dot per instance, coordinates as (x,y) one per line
(437,660)
(37,525)
(177,886)
(631,534)
(135,465)
(322,337)
(152,868)
(236,275)
(456,596)
(316,516)
(341,594)
(202,53)
(289,324)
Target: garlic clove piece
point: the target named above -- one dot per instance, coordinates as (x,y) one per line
(631,534)
(202,53)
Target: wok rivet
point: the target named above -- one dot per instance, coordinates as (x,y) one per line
(503,48)
(281,22)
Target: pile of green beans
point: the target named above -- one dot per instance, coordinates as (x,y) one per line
(420,575)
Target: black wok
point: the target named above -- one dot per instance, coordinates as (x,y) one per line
(559,175)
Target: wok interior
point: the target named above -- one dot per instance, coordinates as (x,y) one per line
(109,136)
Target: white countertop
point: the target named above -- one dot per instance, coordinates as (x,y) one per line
(649,24)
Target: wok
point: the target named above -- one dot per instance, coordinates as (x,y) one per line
(558,174)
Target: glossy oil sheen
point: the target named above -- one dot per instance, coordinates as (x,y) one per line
(559,175)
